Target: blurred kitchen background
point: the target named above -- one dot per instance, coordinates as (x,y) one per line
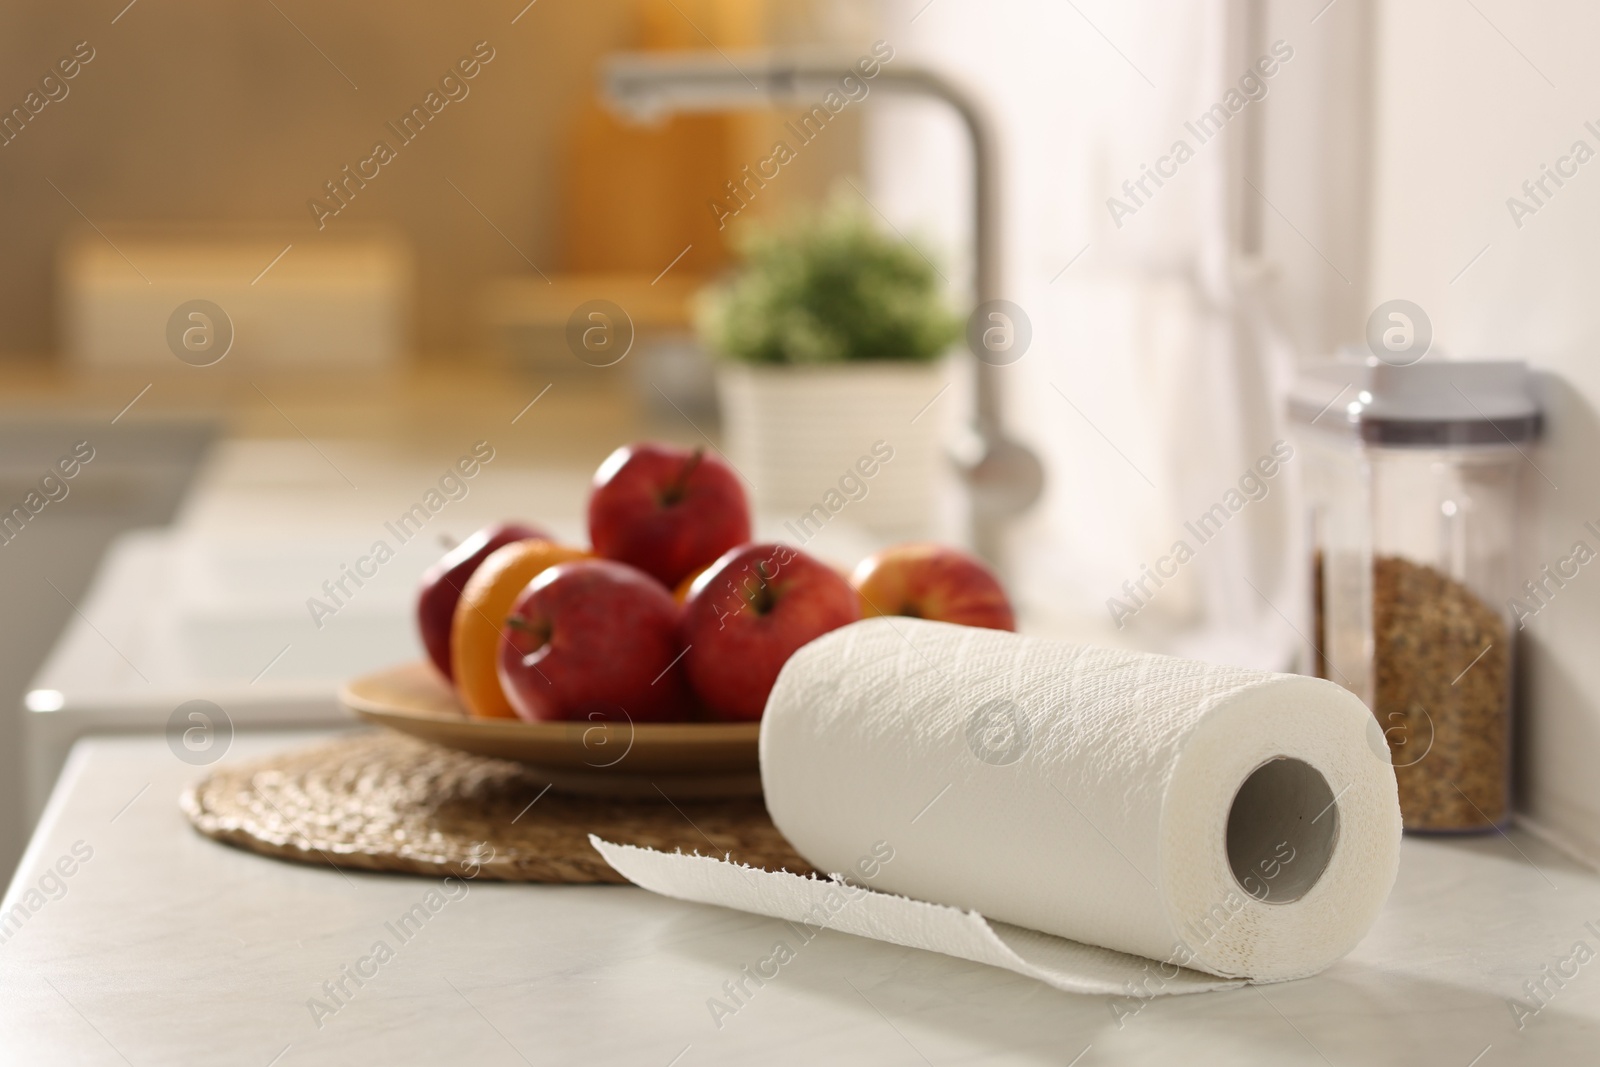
(347,354)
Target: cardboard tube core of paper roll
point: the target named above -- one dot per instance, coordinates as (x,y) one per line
(1282,830)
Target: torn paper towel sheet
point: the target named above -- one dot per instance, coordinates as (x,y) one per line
(1235,822)
(814,903)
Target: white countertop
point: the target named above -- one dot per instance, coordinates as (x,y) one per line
(167,948)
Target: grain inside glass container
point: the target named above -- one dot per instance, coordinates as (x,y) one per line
(1411,480)
(1447,724)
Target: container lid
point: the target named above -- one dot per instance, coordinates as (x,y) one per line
(1426,404)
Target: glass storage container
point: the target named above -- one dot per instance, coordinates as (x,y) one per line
(1411,481)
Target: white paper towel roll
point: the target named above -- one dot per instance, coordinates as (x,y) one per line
(1230,821)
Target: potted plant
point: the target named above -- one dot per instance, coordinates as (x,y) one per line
(830,340)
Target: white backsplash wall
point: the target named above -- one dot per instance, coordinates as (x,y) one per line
(1472,101)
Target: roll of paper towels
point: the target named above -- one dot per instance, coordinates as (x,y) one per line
(1033,804)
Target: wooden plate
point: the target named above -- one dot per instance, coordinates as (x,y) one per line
(678,758)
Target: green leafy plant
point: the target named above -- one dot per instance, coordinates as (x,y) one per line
(828,287)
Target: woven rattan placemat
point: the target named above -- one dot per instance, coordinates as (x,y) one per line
(381,801)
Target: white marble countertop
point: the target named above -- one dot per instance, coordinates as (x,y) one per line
(163,947)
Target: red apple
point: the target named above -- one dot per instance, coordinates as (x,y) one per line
(594,637)
(668,511)
(443,582)
(747,615)
(928,581)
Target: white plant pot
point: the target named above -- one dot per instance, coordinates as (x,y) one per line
(807,438)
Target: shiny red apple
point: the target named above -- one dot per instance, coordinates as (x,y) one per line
(668,511)
(928,581)
(594,638)
(747,615)
(443,582)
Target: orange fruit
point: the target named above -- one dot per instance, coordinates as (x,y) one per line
(681,593)
(480,617)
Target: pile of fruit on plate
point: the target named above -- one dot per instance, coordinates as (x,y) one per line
(672,614)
